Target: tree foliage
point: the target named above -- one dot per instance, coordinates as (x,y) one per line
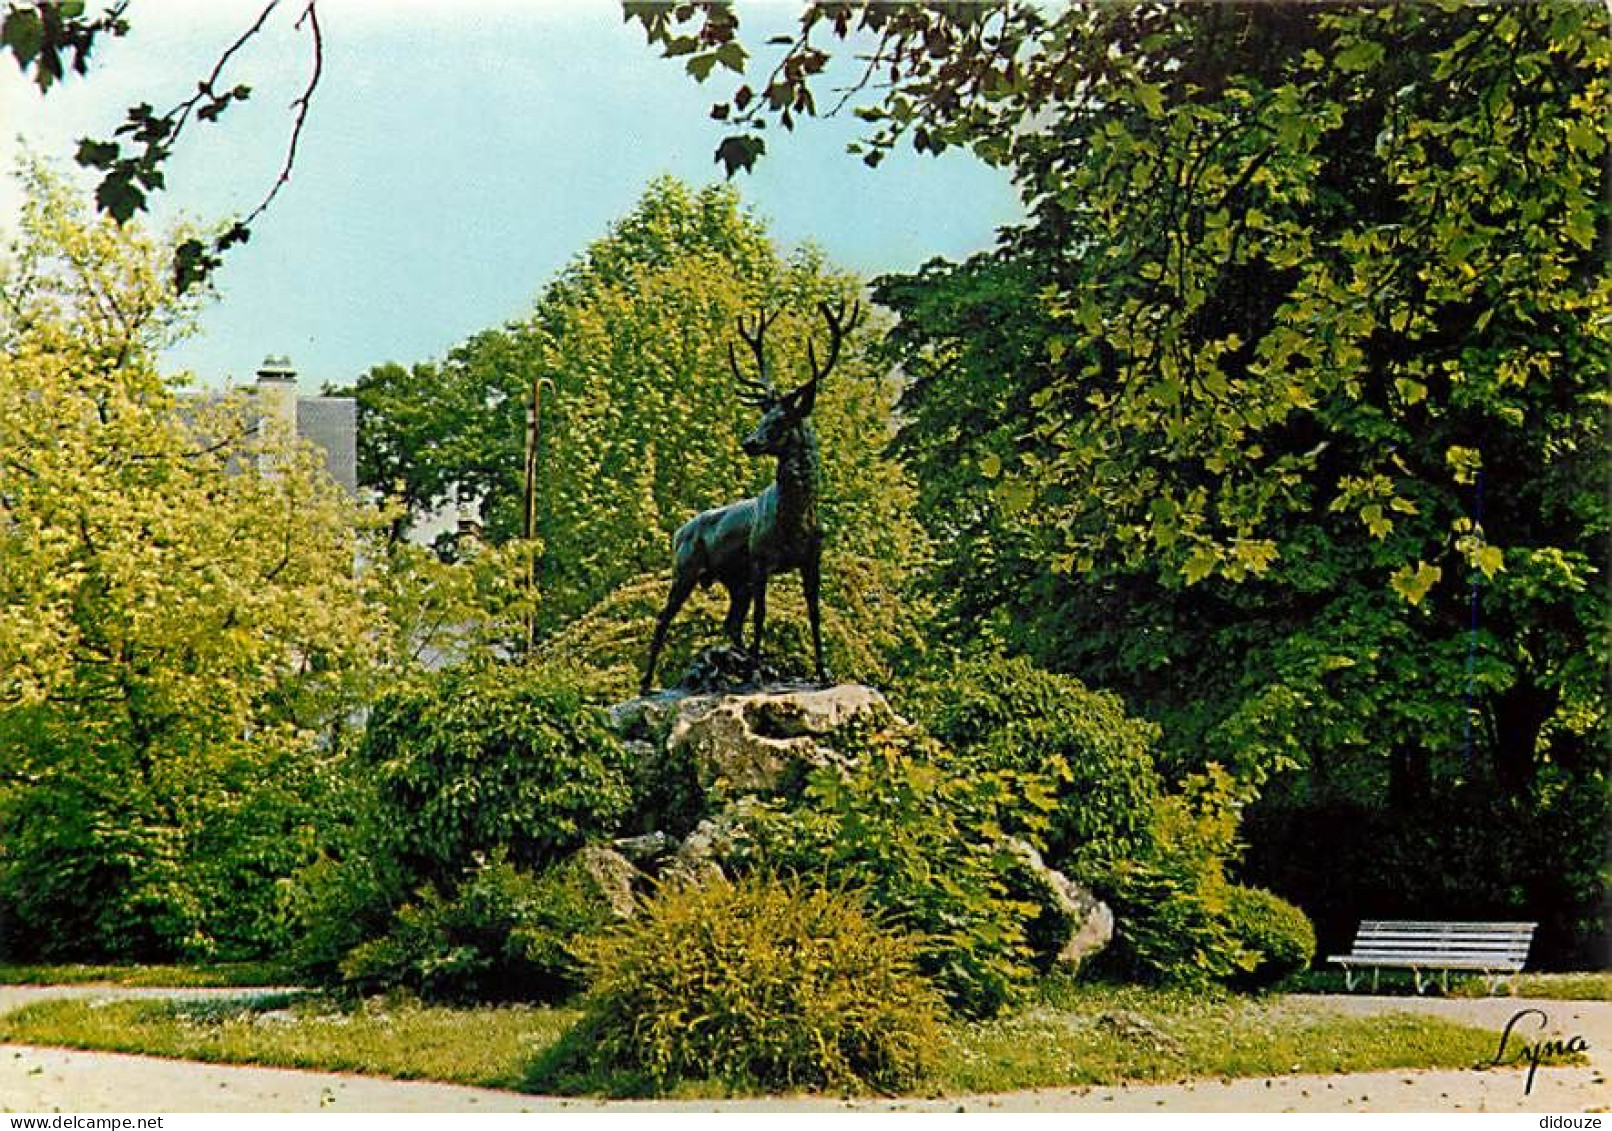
(1286,412)
(438,434)
(1327,354)
(179,612)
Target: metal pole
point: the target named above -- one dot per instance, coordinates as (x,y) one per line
(529,519)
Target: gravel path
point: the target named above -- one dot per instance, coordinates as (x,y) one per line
(46,1080)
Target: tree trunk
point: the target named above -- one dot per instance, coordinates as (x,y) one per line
(1409,782)
(1517,715)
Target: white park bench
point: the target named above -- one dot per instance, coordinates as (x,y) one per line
(1491,949)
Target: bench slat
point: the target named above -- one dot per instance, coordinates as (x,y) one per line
(1476,940)
(1424,956)
(1490,948)
(1451,936)
(1441,928)
(1508,948)
(1425,925)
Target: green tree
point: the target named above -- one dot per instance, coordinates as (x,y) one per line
(435,434)
(1303,441)
(179,615)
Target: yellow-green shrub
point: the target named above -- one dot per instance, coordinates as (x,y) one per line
(763,983)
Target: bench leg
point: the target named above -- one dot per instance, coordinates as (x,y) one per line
(1417,974)
(1376,972)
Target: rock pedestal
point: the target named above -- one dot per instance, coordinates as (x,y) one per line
(748,742)
(707,759)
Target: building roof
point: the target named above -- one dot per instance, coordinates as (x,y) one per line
(331,423)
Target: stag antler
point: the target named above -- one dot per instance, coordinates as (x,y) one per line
(758,391)
(838,327)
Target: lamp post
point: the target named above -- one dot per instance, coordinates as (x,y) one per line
(534,422)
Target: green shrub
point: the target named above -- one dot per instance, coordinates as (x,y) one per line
(1278,934)
(1159,859)
(926,847)
(502,763)
(181,860)
(1001,713)
(1171,902)
(335,904)
(348,892)
(493,758)
(761,983)
(502,934)
(1172,928)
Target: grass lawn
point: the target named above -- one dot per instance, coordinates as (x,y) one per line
(1109,1035)
(225,974)
(1561,987)
(1589,986)
(1078,1035)
(490,1047)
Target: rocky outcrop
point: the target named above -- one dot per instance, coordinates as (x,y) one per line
(1085,924)
(612,877)
(748,742)
(712,842)
(646,849)
(709,759)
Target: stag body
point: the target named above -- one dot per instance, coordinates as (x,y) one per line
(741,545)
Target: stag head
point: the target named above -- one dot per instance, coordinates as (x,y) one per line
(783,413)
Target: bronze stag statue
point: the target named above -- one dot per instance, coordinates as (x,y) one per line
(743,544)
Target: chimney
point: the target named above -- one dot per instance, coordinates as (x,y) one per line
(277,394)
(469,532)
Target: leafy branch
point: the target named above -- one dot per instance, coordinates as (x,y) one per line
(194,260)
(929,62)
(40,35)
(42,38)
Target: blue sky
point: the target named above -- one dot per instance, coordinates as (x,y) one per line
(452,163)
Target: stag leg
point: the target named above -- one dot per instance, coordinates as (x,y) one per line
(811,579)
(681,588)
(758,587)
(738,606)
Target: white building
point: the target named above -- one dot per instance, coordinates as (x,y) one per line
(329,423)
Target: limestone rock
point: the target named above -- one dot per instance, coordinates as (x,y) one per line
(712,841)
(750,742)
(705,761)
(649,847)
(1086,922)
(612,876)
